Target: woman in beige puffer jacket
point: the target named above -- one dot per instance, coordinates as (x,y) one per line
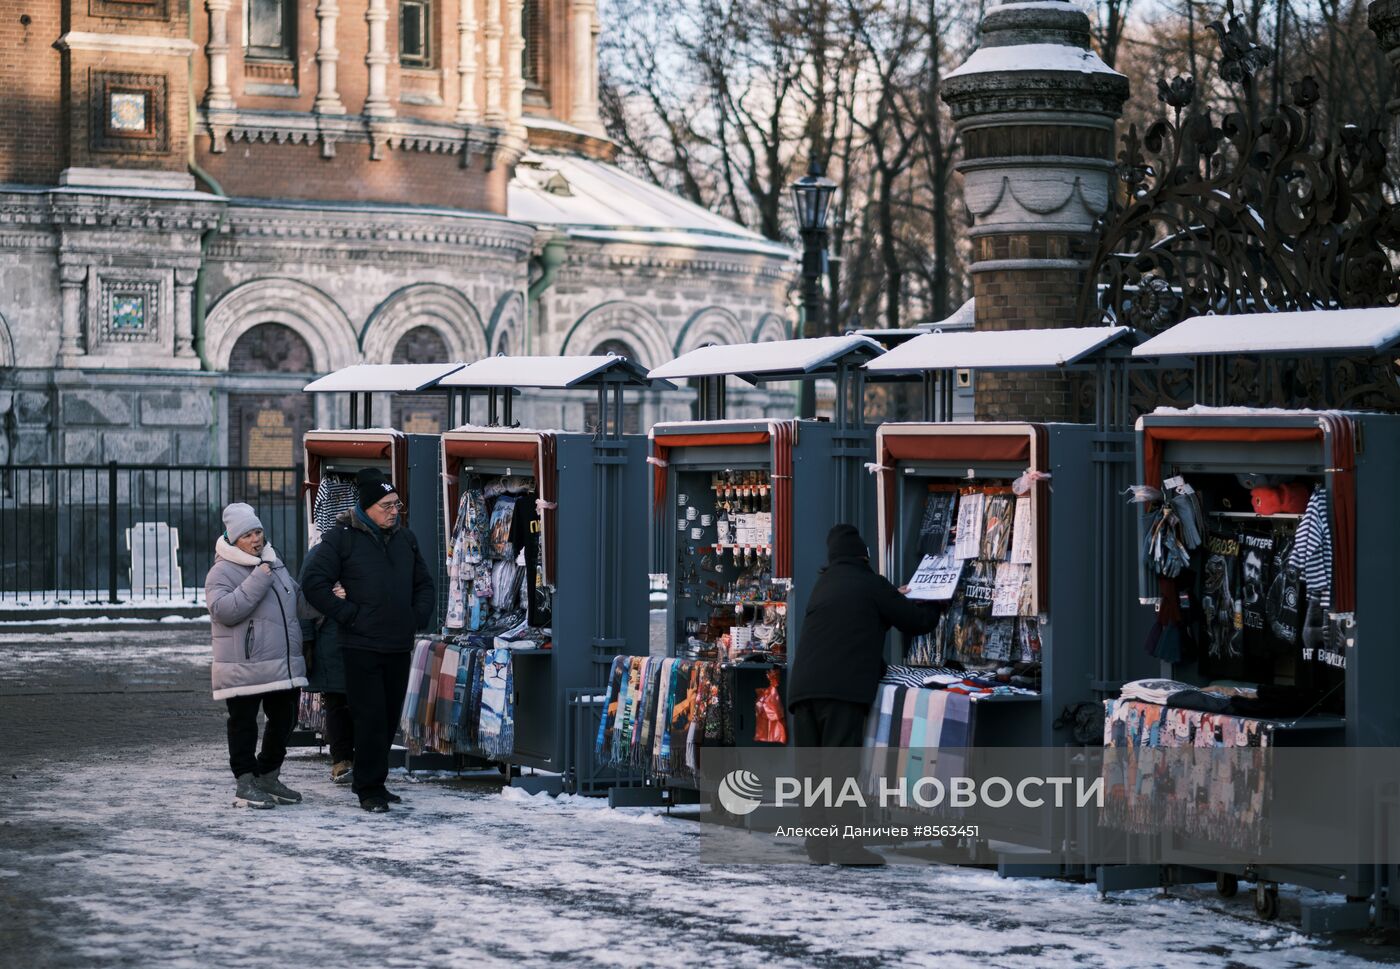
(253,613)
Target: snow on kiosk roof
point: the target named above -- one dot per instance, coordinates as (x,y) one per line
(545,372)
(404,378)
(998,349)
(1300,331)
(777,360)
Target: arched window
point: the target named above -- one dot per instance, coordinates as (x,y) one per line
(422,344)
(616,347)
(266,428)
(420,413)
(270,348)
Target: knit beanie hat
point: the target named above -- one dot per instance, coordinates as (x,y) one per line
(239,520)
(844,542)
(373,487)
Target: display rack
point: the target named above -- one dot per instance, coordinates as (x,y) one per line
(776,487)
(1354,458)
(1062,481)
(592,566)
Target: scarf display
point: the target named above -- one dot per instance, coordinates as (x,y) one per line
(493,559)
(912,733)
(658,713)
(1148,790)
(460,699)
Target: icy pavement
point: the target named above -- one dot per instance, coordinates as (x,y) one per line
(119,847)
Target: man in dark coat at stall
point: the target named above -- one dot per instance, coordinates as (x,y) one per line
(841,656)
(388,598)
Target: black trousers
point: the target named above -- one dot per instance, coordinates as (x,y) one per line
(280,709)
(829,723)
(825,723)
(374,684)
(340,726)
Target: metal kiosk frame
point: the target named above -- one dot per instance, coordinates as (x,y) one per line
(1088,466)
(586,482)
(815,470)
(1357,457)
(409,460)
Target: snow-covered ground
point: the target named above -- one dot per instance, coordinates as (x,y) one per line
(121,849)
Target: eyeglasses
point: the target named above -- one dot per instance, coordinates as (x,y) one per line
(395,505)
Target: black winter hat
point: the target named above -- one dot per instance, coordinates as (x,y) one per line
(844,542)
(373,486)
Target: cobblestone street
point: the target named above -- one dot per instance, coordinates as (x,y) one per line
(118,847)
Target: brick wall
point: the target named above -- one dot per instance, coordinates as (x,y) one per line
(1020,299)
(410,178)
(32,140)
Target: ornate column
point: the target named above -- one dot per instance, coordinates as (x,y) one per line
(327,56)
(468,111)
(1384,19)
(515,68)
(583,64)
(1035,109)
(184,311)
(71,278)
(495,112)
(377,59)
(218,96)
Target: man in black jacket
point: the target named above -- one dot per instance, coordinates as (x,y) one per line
(388,597)
(841,655)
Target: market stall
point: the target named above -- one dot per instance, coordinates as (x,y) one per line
(740,512)
(1267,549)
(545,583)
(334,456)
(1004,524)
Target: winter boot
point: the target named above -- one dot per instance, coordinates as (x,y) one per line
(275,789)
(249,794)
(342,772)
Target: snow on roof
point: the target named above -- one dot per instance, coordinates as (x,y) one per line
(594,200)
(1033,57)
(768,359)
(543,372)
(963,318)
(397,377)
(1301,331)
(997,349)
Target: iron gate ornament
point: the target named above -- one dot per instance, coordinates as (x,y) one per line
(1238,217)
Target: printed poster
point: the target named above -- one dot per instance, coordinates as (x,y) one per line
(970,510)
(936,577)
(1023,534)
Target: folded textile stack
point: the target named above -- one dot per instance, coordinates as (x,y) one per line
(1156,691)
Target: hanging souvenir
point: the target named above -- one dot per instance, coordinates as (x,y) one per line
(1023,533)
(997,527)
(770,722)
(979,587)
(1011,583)
(1220,597)
(937,523)
(936,577)
(969,535)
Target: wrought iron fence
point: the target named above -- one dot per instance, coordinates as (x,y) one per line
(72,533)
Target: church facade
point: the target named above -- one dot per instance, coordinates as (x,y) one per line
(203,205)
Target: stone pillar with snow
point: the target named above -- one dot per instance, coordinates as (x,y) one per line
(1035,108)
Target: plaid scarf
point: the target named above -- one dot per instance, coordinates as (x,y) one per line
(602,746)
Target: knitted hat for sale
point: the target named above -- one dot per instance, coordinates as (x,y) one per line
(844,542)
(239,520)
(373,487)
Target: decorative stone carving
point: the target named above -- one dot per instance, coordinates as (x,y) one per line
(441,308)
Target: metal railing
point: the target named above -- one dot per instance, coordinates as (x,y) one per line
(74,533)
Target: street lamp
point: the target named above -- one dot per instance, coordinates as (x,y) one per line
(811,196)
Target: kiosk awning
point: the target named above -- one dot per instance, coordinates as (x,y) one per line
(778,360)
(547,372)
(1302,331)
(999,349)
(403,378)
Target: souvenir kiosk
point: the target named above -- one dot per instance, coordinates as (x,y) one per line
(410,461)
(1269,563)
(542,568)
(740,512)
(1008,524)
